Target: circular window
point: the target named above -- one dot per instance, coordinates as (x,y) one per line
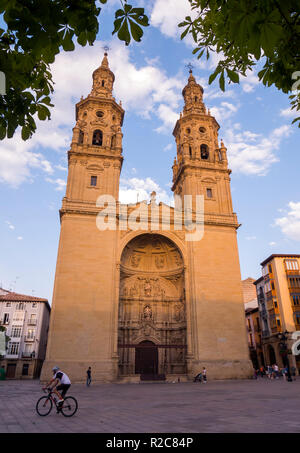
(202,130)
(188,131)
(99,114)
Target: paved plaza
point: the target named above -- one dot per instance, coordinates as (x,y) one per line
(216,407)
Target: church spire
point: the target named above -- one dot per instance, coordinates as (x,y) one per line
(103,79)
(193,96)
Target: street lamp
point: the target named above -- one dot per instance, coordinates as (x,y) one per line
(283,337)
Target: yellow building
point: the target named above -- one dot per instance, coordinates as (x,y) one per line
(137,293)
(278,293)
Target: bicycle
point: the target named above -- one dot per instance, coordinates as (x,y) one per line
(44,405)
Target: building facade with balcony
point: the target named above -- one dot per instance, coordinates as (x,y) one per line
(278,295)
(253,323)
(26,321)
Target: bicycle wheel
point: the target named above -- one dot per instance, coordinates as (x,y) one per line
(69,406)
(44,406)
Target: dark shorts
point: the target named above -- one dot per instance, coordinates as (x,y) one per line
(63,388)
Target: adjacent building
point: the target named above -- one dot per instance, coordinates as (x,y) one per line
(26,320)
(253,323)
(278,295)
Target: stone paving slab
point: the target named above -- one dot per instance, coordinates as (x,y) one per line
(249,406)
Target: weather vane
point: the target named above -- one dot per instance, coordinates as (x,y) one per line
(190,66)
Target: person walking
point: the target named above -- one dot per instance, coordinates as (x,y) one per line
(88,376)
(276,371)
(204,375)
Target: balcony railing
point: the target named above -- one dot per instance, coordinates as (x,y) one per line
(27,355)
(31,322)
(292,272)
(29,338)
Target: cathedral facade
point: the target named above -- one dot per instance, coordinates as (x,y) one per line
(140,295)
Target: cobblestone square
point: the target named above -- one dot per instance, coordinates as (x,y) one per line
(249,406)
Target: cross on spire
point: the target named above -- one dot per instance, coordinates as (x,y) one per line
(106,49)
(190,67)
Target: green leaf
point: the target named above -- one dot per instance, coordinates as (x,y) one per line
(234,77)
(123,33)
(25,133)
(222,81)
(214,75)
(136,31)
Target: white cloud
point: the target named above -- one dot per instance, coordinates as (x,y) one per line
(272,244)
(251,238)
(250,153)
(168,147)
(290,224)
(60,183)
(20,238)
(17,161)
(135,189)
(224,111)
(249,82)
(168,117)
(10,225)
(167,14)
(287,113)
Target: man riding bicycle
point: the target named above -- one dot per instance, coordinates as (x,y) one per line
(64,384)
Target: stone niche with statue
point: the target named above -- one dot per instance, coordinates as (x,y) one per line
(152,307)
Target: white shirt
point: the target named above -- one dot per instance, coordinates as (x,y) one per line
(64,379)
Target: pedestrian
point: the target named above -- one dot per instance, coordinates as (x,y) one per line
(284,373)
(204,375)
(254,373)
(88,376)
(276,371)
(262,371)
(293,372)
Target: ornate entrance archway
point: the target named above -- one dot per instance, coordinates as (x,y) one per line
(152,308)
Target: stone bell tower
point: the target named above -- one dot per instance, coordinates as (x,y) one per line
(84,290)
(201,166)
(95,157)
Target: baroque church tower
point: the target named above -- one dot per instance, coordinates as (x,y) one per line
(201,166)
(95,158)
(143,302)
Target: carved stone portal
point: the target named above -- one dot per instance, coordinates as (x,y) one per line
(152,307)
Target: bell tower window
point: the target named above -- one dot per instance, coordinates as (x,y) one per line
(204,152)
(103,83)
(97,138)
(113,141)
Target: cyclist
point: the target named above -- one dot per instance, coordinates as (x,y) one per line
(64,384)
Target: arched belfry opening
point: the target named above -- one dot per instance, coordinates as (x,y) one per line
(152,308)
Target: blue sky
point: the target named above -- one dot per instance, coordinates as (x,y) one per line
(263,148)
